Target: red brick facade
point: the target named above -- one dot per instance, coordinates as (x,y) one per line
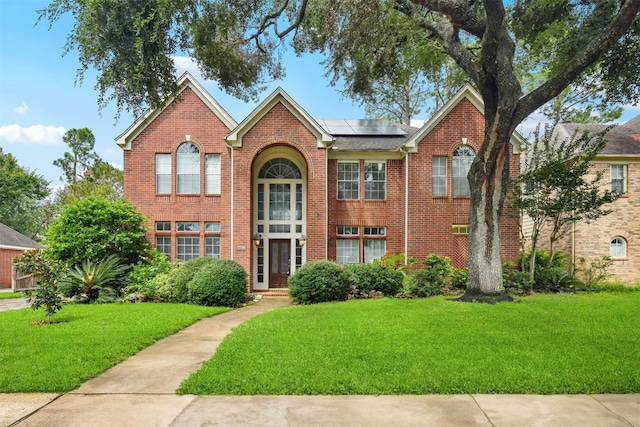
(409,221)
(6,261)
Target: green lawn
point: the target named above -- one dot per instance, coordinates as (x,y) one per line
(11,295)
(584,343)
(87,340)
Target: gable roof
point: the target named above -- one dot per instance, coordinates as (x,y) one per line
(473,96)
(621,140)
(234,139)
(186,80)
(11,239)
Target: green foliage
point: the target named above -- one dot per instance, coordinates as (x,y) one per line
(221,283)
(22,197)
(552,274)
(182,275)
(376,277)
(91,279)
(320,281)
(144,271)
(594,272)
(94,228)
(459,277)
(47,273)
(430,279)
(74,164)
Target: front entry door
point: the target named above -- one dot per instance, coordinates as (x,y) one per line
(280,263)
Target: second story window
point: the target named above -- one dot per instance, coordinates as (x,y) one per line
(163,173)
(462,158)
(439,176)
(619,178)
(348,180)
(212,174)
(188,169)
(375,180)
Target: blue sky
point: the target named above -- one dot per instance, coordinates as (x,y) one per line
(40,100)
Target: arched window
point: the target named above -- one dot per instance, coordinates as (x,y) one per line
(280,169)
(618,248)
(462,158)
(188,169)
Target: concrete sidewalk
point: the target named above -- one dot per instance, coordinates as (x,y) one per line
(141,392)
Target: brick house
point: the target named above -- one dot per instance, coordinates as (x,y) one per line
(616,234)
(12,244)
(281,188)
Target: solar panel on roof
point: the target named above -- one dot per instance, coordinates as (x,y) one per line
(361,127)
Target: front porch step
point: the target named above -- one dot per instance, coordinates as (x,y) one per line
(284,292)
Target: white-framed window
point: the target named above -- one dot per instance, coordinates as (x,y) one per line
(188,169)
(163,173)
(212,227)
(212,172)
(439,176)
(212,246)
(347,231)
(187,226)
(460,228)
(163,226)
(462,158)
(619,178)
(618,248)
(187,247)
(375,180)
(348,180)
(348,251)
(163,244)
(374,249)
(375,231)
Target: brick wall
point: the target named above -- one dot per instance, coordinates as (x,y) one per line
(6,261)
(186,116)
(431,218)
(593,238)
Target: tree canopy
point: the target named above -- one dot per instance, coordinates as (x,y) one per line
(22,196)
(79,160)
(240,43)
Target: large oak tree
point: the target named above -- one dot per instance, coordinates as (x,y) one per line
(240,43)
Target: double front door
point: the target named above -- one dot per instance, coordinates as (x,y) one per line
(279,262)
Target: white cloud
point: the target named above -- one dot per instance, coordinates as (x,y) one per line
(22,108)
(37,134)
(186,63)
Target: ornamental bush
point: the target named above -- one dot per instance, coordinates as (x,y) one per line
(184,273)
(320,281)
(376,277)
(222,283)
(429,280)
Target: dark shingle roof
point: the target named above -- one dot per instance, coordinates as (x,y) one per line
(10,237)
(621,140)
(390,139)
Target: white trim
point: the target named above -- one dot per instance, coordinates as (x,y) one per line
(234,138)
(17,248)
(474,97)
(186,80)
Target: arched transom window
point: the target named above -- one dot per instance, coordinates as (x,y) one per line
(280,169)
(188,169)
(462,158)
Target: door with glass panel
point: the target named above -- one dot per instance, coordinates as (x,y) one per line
(279,263)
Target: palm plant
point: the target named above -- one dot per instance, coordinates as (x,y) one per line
(90,278)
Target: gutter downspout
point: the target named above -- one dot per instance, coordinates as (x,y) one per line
(232,199)
(406,208)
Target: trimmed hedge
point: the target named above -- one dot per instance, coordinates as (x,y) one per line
(222,284)
(376,277)
(320,281)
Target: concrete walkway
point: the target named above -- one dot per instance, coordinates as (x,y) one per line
(141,392)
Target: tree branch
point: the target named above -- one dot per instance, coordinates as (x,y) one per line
(607,38)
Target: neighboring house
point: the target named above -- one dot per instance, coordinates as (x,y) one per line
(618,233)
(12,244)
(281,188)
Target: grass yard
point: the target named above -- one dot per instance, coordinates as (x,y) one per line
(11,295)
(85,341)
(583,343)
